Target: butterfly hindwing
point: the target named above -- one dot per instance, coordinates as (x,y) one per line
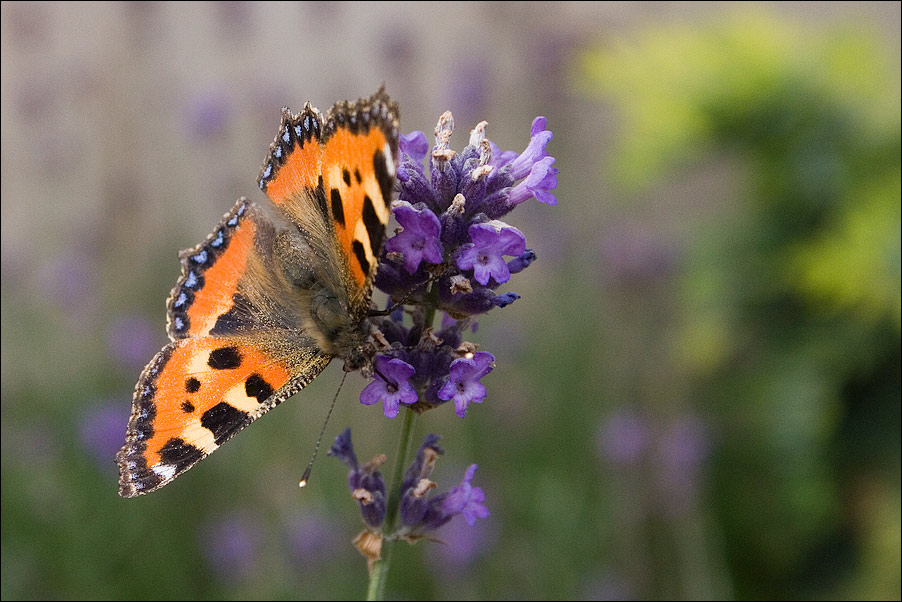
(196,394)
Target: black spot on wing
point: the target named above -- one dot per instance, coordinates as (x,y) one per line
(346,176)
(187,407)
(256,386)
(385,180)
(374,226)
(338,211)
(321,203)
(192,385)
(360,254)
(180,454)
(224,358)
(222,420)
(239,317)
(358,176)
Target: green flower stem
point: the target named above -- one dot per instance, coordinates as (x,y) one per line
(379,574)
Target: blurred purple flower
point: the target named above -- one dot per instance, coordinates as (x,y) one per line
(67,281)
(468,85)
(102,430)
(232,545)
(29,24)
(682,452)
(132,341)
(35,98)
(637,256)
(207,114)
(461,547)
(623,438)
(549,56)
(399,51)
(235,19)
(313,539)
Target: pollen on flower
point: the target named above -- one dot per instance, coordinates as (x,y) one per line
(363,496)
(423,487)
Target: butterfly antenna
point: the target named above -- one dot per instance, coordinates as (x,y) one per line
(319,440)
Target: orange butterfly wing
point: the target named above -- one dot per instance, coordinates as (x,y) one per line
(228,364)
(348,195)
(240,322)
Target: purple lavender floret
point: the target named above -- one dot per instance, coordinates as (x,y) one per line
(463,499)
(520,263)
(365,482)
(391,385)
(463,384)
(414,145)
(491,241)
(505,299)
(419,239)
(466,193)
(466,499)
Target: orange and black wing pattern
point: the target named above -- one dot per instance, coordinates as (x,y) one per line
(242,337)
(333,176)
(229,363)
(195,395)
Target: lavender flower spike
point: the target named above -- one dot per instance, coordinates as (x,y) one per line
(491,241)
(420,238)
(365,482)
(390,385)
(463,384)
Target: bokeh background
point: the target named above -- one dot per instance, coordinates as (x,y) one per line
(698,395)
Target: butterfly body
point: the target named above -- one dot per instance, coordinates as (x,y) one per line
(275,292)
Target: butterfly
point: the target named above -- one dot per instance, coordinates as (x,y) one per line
(277,291)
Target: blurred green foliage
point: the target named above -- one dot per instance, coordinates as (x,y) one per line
(790,302)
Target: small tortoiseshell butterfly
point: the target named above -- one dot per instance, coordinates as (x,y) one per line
(274,293)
